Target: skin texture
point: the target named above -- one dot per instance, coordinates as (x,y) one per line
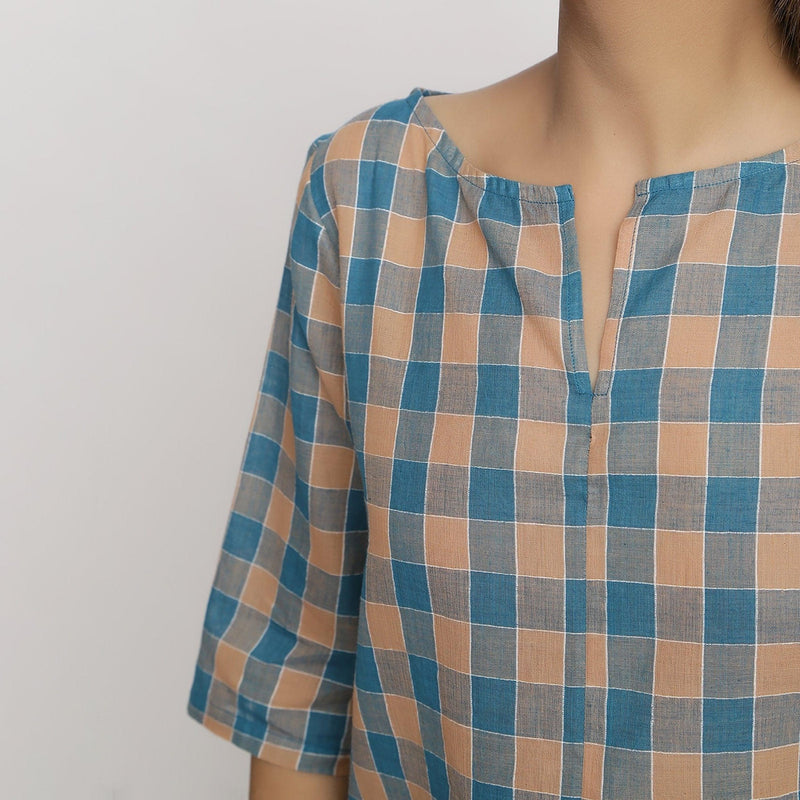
(271,782)
(637,88)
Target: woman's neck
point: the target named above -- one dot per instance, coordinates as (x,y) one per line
(667,83)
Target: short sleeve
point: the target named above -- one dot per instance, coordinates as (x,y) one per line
(275,669)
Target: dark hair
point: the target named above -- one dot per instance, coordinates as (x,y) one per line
(786,14)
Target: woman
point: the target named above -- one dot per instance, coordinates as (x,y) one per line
(519,512)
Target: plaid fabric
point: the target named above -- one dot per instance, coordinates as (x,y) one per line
(454,570)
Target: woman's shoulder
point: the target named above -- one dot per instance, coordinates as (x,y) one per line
(431,127)
(375,133)
(372,156)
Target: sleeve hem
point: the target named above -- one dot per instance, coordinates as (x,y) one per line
(283,752)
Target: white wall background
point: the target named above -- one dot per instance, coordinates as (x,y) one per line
(149,157)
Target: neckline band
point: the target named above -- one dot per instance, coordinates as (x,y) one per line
(559,193)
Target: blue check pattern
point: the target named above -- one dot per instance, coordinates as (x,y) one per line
(453,568)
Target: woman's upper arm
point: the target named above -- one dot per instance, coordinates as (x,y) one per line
(272,782)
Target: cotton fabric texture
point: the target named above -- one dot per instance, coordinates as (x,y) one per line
(452,569)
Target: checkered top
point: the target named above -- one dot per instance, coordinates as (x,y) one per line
(454,570)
